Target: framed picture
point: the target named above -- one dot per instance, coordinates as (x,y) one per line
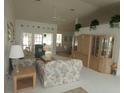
(11,33)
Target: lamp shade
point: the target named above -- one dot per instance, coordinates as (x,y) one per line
(16,52)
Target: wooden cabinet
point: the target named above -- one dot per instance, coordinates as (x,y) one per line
(101,53)
(79,55)
(101,64)
(104,65)
(83,44)
(96,51)
(94,63)
(83,48)
(102,46)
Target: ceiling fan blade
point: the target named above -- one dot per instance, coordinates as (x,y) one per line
(55,18)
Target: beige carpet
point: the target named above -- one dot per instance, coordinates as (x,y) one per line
(77,90)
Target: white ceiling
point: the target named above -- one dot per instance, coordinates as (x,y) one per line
(44,11)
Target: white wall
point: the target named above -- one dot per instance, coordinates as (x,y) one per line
(105,29)
(28,27)
(103,14)
(9,16)
(118,66)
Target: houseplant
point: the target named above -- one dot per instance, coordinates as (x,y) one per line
(94,23)
(78,26)
(114,21)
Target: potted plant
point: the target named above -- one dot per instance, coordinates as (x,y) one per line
(114,21)
(94,23)
(78,26)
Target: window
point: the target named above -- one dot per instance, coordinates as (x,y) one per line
(59,40)
(47,38)
(37,38)
(27,40)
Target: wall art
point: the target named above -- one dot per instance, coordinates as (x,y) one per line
(11,33)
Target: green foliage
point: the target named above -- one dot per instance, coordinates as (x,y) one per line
(94,23)
(114,19)
(77,27)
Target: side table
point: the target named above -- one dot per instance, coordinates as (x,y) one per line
(25,78)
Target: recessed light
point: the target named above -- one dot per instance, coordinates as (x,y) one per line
(72,9)
(37,0)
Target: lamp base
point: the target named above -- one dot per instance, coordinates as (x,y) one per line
(17,69)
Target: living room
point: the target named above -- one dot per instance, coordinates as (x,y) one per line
(33,23)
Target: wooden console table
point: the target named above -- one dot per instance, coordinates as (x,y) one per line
(25,78)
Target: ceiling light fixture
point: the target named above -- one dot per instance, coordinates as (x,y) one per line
(72,9)
(37,0)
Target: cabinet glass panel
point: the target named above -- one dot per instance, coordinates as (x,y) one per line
(102,46)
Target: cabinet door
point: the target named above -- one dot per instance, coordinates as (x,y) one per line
(102,46)
(84,47)
(94,62)
(83,44)
(108,47)
(105,65)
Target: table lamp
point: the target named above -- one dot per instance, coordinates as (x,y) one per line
(16,52)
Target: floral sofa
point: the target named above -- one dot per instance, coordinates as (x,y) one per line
(59,72)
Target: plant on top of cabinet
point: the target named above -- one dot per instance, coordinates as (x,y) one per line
(78,26)
(114,21)
(94,23)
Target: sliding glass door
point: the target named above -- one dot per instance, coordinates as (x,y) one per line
(30,40)
(48,40)
(38,39)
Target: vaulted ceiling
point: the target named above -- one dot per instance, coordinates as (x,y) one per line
(62,12)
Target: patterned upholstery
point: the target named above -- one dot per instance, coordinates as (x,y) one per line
(59,71)
(24,62)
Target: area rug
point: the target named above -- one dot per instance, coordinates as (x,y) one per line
(76,90)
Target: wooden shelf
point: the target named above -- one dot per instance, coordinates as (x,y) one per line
(24,83)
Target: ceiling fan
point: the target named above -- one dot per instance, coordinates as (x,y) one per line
(56,18)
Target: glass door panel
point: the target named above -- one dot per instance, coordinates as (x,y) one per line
(27,41)
(48,40)
(102,46)
(38,39)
